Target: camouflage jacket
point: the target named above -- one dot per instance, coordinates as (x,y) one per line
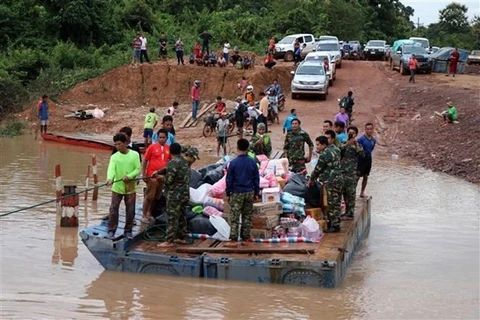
(295,145)
(264,148)
(177,180)
(328,169)
(350,155)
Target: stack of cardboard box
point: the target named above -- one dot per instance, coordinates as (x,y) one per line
(266,216)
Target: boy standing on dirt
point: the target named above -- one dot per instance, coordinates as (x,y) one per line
(195,94)
(171,110)
(243,186)
(412,65)
(124,165)
(43,114)
(364,165)
(150,124)
(222,133)
(156,158)
(177,182)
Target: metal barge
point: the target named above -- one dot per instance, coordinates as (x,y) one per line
(311,264)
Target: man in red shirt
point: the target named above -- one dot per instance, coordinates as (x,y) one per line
(454,57)
(156,158)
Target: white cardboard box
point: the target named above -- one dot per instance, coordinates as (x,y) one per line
(271,195)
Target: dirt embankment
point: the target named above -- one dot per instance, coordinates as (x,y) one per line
(382,96)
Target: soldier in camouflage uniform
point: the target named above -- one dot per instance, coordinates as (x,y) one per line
(185,148)
(294,147)
(243,186)
(328,172)
(191,155)
(177,182)
(350,153)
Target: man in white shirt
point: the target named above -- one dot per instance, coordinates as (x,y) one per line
(143,49)
(226,51)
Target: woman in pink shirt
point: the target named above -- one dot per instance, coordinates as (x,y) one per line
(412,65)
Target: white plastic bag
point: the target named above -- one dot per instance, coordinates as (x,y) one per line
(223,229)
(98,113)
(310,228)
(198,196)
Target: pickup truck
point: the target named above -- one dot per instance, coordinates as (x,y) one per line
(284,49)
(333,48)
(375,49)
(319,56)
(399,59)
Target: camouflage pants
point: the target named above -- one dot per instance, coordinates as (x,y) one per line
(297,166)
(177,223)
(334,203)
(349,194)
(241,204)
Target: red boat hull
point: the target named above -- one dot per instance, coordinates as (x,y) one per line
(77,141)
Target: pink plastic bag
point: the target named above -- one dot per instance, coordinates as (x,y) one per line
(262,157)
(218,189)
(310,228)
(272,180)
(211,211)
(263,166)
(214,202)
(264,183)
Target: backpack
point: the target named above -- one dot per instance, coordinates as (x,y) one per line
(345,102)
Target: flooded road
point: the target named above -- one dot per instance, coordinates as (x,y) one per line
(420,261)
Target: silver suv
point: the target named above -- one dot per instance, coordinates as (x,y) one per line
(310,78)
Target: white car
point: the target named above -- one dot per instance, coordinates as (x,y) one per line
(310,78)
(331,38)
(332,47)
(319,56)
(284,49)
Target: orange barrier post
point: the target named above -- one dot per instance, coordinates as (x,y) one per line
(95,178)
(87,183)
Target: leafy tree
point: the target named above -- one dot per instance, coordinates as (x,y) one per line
(453,18)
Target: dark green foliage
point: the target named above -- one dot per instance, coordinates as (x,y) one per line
(48,46)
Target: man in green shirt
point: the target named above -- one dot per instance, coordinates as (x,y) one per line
(150,124)
(450,115)
(294,148)
(124,165)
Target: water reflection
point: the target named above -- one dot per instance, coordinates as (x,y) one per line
(421,260)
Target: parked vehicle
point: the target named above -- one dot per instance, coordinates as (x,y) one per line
(319,56)
(284,49)
(330,38)
(310,78)
(331,47)
(211,123)
(474,57)
(434,50)
(374,50)
(400,58)
(424,42)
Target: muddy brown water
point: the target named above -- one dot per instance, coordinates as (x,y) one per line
(420,260)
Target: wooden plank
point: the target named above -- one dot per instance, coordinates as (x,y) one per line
(189,117)
(205,109)
(256,248)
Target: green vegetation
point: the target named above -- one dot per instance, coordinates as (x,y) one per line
(47,46)
(11,128)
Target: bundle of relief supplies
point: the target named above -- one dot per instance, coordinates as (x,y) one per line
(293,204)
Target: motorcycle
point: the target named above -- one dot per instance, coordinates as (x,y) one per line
(281,102)
(211,123)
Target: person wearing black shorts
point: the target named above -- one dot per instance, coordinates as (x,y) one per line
(240,115)
(364,165)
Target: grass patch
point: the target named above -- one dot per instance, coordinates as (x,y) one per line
(12,128)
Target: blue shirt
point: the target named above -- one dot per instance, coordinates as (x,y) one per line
(367,144)
(43,111)
(243,176)
(342,137)
(287,125)
(170,138)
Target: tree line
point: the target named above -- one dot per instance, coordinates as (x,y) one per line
(48,46)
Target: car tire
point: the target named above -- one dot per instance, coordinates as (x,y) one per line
(402,70)
(340,65)
(429,71)
(391,65)
(330,82)
(294,96)
(288,56)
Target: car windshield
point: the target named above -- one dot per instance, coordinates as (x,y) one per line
(327,47)
(476,53)
(319,58)
(424,43)
(310,70)
(376,43)
(287,40)
(414,50)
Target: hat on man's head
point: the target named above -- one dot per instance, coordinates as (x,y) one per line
(193,152)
